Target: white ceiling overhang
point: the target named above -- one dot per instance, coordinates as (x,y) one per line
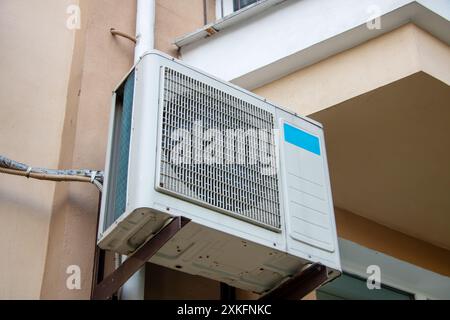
(294,34)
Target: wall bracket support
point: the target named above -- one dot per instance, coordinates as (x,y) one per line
(108,286)
(299,285)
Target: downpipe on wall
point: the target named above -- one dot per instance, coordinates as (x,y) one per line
(145,41)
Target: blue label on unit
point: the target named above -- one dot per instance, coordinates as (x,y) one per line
(301,139)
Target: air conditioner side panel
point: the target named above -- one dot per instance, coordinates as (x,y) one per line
(142,165)
(102,218)
(139,220)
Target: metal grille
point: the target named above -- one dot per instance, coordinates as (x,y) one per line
(214,150)
(120,152)
(123,147)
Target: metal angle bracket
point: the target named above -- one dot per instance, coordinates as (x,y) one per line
(114,281)
(299,285)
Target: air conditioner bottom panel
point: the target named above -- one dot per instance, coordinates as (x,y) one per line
(207,252)
(132,229)
(199,250)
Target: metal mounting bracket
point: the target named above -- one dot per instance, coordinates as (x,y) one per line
(299,285)
(108,286)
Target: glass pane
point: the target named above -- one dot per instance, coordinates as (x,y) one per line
(239,4)
(349,287)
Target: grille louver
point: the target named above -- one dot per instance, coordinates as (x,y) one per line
(241,189)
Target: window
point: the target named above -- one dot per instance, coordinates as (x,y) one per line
(226,7)
(349,287)
(239,4)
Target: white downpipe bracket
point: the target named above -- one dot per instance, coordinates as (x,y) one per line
(134,289)
(145,27)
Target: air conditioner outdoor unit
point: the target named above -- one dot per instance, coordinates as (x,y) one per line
(252,177)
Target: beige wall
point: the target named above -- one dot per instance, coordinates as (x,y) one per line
(393,243)
(36,52)
(100,62)
(174,18)
(371,65)
(388,158)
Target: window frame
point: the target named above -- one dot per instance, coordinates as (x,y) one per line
(224,8)
(410,295)
(236,3)
(355,258)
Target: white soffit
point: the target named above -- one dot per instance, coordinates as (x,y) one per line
(295,34)
(394,272)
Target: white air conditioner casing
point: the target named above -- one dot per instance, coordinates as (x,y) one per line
(248,229)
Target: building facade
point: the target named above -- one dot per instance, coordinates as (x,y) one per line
(375,73)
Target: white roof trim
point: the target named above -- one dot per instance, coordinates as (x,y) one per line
(227,21)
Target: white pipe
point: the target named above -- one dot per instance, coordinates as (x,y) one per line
(134,288)
(145,27)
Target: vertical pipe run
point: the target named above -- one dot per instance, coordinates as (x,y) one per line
(134,288)
(145,27)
